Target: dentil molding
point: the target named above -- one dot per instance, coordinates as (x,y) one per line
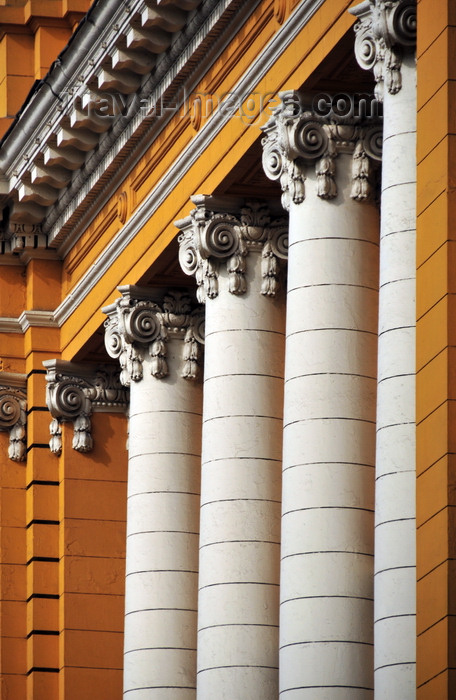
(222,229)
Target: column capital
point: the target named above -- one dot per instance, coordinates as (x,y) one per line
(227,230)
(385,30)
(73,392)
(13,416)
(297,138)
(139,327)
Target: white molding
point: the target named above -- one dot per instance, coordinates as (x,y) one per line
(42,319)
(188,157)
(10,325)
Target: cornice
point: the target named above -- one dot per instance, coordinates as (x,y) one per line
(285,35)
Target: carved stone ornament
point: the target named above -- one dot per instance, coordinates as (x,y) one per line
(138,328)
(386,29)
(13,416)
(212,234)
(297,138)
(73,392)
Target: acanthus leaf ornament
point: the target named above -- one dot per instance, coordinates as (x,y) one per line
(138,330)
(13,416)
(212,236)
(385,30)
(73,392)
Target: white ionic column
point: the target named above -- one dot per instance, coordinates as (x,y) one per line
(157,346)
(385,41)
(234,252)
(326,590)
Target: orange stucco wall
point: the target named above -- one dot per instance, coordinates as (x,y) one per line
(436,350)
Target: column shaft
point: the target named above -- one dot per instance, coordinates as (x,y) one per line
(162,534)
(326,632)
(395,598)
(240,493)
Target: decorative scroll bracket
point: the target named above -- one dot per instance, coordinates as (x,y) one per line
(13,413)
(74,392)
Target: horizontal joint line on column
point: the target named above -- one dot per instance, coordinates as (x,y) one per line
(399,230)
(299,510)
(396,520)
(396,376)
(243,330)
(398,184)
(165,410)
(334,238)
(399,663)
(394,568)
(307,687)
(160,687)
(236,500)
(42,596)
(310,420)
(332,284)
(396,328)
(396,281)
(326,641)
(396,425)
(215,668)
(330,374)
(243,374)
(324,597)
(36,409)
(239,583)
(400,133)
(241,415)
(327,551)
(42,669)
(393,617)
(161,532)
(161,571)
(237,624)
(212,544)
(133,651)
(141,610)
(332,328)
(346,464)
(256,459)
(167,452)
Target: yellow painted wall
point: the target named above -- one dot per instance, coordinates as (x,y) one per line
(436,350)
